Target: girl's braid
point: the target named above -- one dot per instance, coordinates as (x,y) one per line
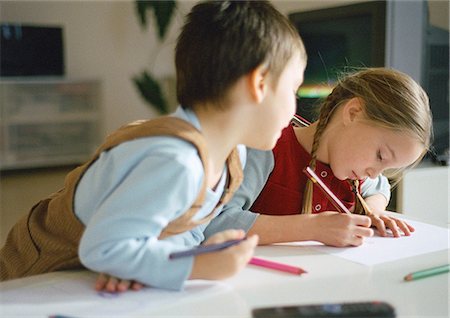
(337,96)
(361,207)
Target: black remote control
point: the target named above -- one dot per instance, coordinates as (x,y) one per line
(372,309)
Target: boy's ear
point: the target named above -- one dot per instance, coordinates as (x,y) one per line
(353,110)
(257,83)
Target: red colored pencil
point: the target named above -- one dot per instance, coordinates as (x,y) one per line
(277,266)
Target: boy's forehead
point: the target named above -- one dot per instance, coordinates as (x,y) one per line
(298,65)
(298,60)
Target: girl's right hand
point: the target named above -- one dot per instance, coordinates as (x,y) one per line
(340,229)
(227,262)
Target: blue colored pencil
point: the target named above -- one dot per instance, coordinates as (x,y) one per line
(205,249)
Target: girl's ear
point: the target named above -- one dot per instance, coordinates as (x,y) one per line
(353,110)
(257,83)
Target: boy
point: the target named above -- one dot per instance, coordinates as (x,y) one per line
(153,187)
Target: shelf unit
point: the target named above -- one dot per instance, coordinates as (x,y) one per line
(48,122)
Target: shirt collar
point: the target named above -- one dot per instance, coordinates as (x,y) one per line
(188,115)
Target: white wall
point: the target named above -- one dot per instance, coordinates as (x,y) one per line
(104,40)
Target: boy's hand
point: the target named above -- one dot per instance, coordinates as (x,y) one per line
(227,262)
(112,284)
(383,221)
(340,229)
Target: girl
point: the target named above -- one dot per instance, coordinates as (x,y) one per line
(374,120)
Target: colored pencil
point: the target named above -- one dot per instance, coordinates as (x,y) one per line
(205,249)
(367,208)
(299,121)
(428,272)
(277,266)
(330,195)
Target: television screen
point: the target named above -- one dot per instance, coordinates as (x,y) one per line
(436,84)
(337,40)
(27,50)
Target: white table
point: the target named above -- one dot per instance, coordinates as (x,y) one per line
(329,279)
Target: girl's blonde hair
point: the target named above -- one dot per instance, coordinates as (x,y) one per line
(391,99)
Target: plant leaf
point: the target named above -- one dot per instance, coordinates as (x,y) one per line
(162,10)
(151,91)
(141,8)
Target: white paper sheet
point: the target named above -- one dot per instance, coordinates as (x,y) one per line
(72,294)
(376,250)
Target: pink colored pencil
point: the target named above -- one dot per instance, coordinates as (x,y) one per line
(330,195)
(277,266)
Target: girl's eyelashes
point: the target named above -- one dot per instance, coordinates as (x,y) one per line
(379,157)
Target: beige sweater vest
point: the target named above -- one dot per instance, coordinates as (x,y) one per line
(47,239)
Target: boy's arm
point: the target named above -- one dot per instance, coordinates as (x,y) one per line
(224,263)
(215,265)
(130,207)
(236,214)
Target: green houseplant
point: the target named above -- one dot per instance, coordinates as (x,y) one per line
(146,84)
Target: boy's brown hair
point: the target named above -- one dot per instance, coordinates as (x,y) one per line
(222,41)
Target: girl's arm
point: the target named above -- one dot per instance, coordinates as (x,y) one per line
(330,228)
(377,203)
(383,221)
(379,186)
(376,193)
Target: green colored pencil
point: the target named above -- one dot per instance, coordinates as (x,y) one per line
(428,272)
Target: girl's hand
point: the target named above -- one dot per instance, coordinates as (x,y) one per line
(383,221)
(113,284)
(227,262)
(340,229)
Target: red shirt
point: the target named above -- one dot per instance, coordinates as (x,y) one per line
(283,192)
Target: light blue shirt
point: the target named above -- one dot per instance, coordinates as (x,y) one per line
(130,194)
(259,165)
